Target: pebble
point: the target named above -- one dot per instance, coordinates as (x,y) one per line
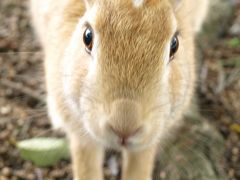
(163,175)
(6,171)
(231,173)
(20,173)
(235,151)
(30,176)
(57,173)
(3,178)
(234,159)
(5,110)
(4,135)
(235,29)
(27,165)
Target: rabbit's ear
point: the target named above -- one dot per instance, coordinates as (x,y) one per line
(88,3)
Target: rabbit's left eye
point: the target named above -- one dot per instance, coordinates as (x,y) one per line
(88,39)
(174,46)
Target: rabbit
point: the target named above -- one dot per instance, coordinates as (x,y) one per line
(120,74)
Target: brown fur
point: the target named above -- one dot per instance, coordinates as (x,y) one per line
(123,87)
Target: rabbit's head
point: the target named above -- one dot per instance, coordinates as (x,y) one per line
(129,70)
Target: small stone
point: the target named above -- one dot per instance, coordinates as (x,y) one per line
(30,177)
(235,151)
(6,171)
(57,173)
(3,178)
(4,135)
(235,29)
(231,173)
(234,159)
(20,173)
(5,110)
(163,175)
(10,127)
(27,165)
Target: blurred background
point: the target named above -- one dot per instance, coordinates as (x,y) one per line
(22,103)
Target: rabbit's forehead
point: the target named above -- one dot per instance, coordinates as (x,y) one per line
(149,21)
(132,42)
(122,24)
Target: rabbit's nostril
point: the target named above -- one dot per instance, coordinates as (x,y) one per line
(123,141)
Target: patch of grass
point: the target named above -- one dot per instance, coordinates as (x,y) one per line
(234,42)
(231,62)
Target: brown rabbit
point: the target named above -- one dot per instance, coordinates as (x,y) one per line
(120,74)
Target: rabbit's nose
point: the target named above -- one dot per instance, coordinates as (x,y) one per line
(123,135)
(125,119)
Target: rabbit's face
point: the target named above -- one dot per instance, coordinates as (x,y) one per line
(126,75)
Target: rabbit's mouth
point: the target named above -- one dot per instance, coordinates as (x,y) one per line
(139,140)
(132,144)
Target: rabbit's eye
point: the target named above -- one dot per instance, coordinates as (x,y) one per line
(88,39)
(174,46)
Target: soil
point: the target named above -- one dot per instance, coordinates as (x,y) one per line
(22,93)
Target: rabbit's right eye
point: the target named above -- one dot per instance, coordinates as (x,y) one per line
(174,45)
(88,39)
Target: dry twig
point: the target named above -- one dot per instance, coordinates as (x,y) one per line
(22,89)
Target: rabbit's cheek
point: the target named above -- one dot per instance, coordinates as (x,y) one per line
(94,129)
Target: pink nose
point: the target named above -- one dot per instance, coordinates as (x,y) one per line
(124,119)
(124,135)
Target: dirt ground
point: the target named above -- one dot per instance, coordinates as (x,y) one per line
(22,105)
